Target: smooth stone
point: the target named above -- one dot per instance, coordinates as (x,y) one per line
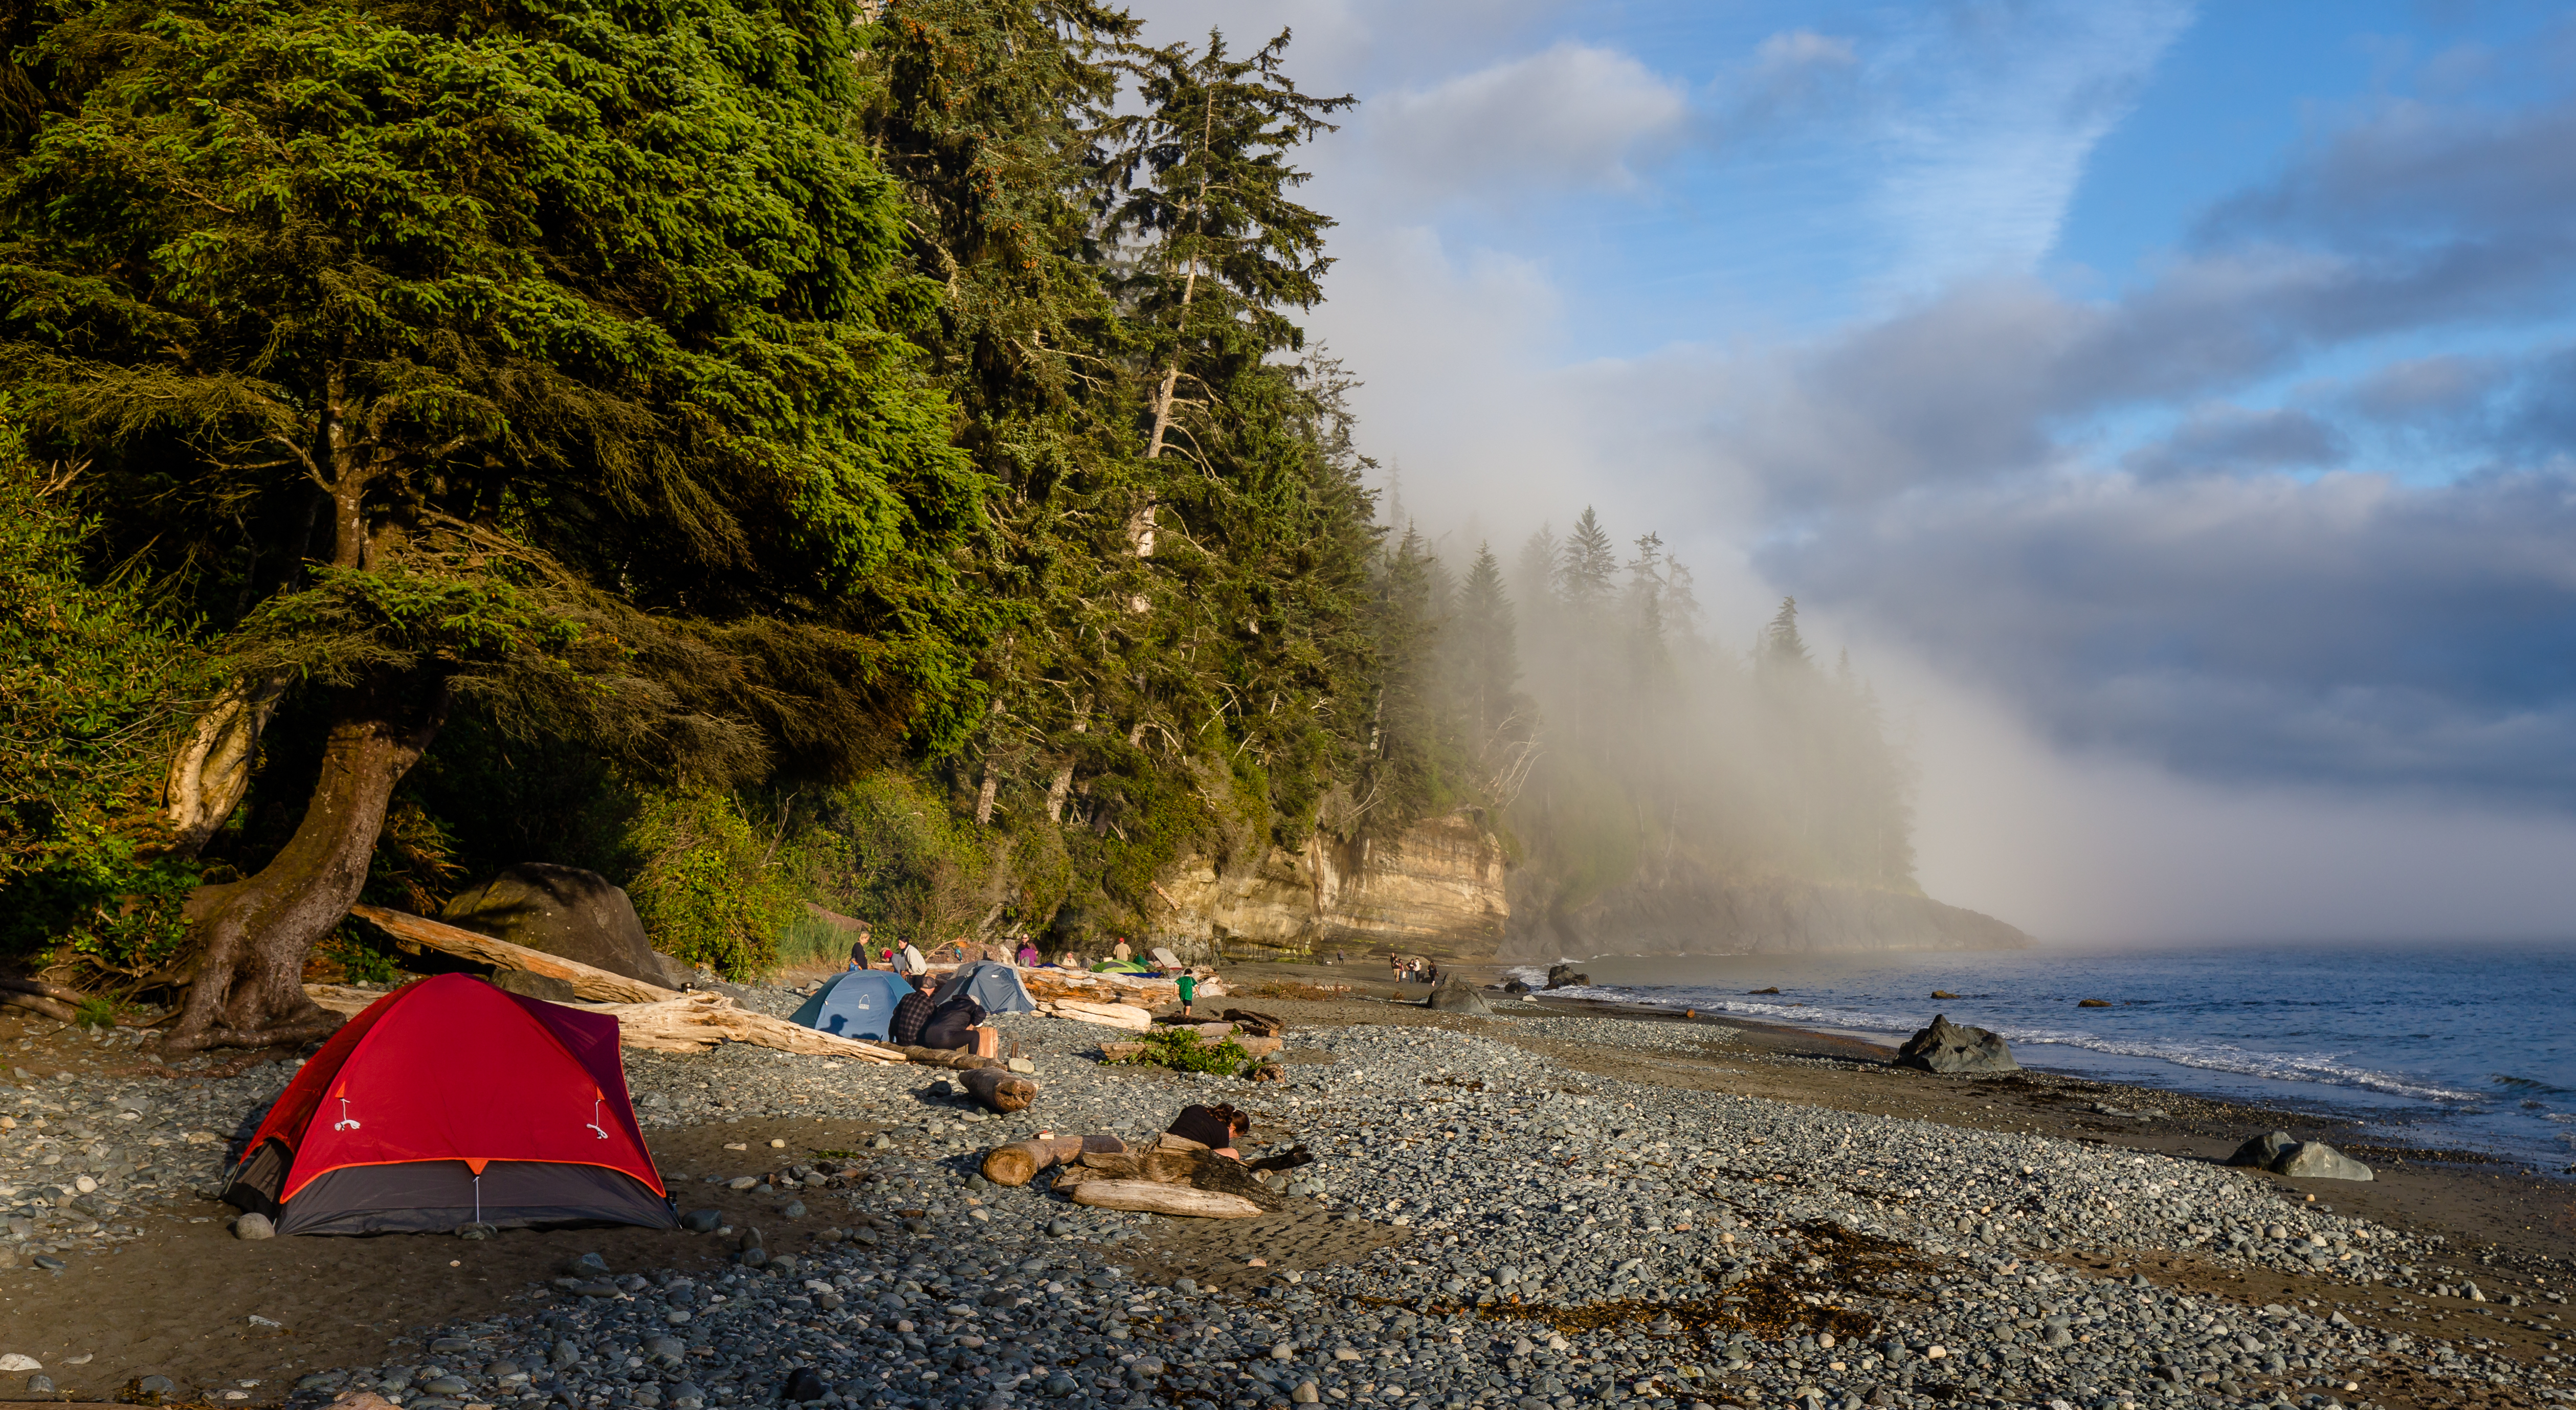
(803,1383)
(254,1226)
(444,1385)
(40,1384)
(588,1265)
(793,1209)
(702,1221)
(157,1385)
(2315,1160)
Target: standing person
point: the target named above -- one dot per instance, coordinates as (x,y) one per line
(912,964)
(1028,953)
(1123,953)
(859,949)
(1189,991)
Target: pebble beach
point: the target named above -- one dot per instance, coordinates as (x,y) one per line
(1490,1220)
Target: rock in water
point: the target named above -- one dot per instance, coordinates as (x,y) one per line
(1454,995)
(568,912)
(1948,1047)
(2315,1160)
(2260,1152)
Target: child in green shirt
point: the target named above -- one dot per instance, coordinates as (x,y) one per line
(1189,991)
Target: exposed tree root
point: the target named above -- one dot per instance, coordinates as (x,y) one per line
(284,1035)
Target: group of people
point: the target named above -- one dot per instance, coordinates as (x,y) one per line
(1413,969)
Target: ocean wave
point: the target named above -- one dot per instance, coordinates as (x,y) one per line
(2318,1068)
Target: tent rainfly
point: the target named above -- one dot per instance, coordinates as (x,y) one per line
(856,1003)
(449,1101)
(996,986)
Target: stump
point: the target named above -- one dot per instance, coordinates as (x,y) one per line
(1000,1089)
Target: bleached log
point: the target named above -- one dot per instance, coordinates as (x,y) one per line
(587,981)
(1127,1016)
(687,1023)
(1147,1197)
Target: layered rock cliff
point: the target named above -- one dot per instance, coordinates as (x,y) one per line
(1443,888)
(1438,888)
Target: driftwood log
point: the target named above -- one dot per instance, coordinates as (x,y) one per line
(686,1023)
(1147,1197)
(587,981)
(1000,1089)
(1255,1022)
(957,1058)
(1019,1162)
(1127,1016)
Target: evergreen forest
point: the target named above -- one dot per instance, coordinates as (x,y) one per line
(764,453)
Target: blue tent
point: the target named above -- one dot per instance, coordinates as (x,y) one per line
(996,986)
(858,1003)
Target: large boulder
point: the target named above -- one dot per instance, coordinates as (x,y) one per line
(2298,1160)
(1953,1050)
(1562,976)
(2315,1160)
(568,912)
(2260,1152)
(1456,995)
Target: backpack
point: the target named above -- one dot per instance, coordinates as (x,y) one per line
(948,1027)
(911,1015)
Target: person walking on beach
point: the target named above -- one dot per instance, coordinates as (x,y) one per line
(1189,991)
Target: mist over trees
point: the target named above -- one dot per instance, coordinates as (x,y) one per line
(765,453)
(1579,698)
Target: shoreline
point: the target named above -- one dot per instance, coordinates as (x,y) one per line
(1455,1150)
(2346,1104)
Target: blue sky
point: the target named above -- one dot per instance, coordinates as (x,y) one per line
(2166,399)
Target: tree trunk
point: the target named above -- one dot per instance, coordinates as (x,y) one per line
(254,934)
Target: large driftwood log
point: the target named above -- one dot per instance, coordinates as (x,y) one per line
(1000,1089)
(687,1023)
(957,1058)
(1148,1197)
(587,981)
(1099,988)
(1019,1162)
(1127,1016)
(1255,1022)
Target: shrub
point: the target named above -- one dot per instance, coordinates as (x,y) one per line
(711,891)
(1183,1050)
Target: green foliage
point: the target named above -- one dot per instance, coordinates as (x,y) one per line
(712,891)
(1183,1050)
(890,851)
(96,1011)
(93,678)
(808,939)
(363,957)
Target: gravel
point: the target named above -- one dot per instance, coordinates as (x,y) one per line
(1573,1241)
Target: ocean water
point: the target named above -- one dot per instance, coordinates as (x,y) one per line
(2452,1045)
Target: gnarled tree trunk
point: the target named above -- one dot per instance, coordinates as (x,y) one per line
(254,934)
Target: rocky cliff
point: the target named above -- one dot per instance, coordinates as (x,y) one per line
(1437,888)
(1696,913)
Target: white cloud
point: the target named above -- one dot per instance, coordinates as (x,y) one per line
(1983,160)
(1570,116)
(1797,49)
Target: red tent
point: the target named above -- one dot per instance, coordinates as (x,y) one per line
(448,1101)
